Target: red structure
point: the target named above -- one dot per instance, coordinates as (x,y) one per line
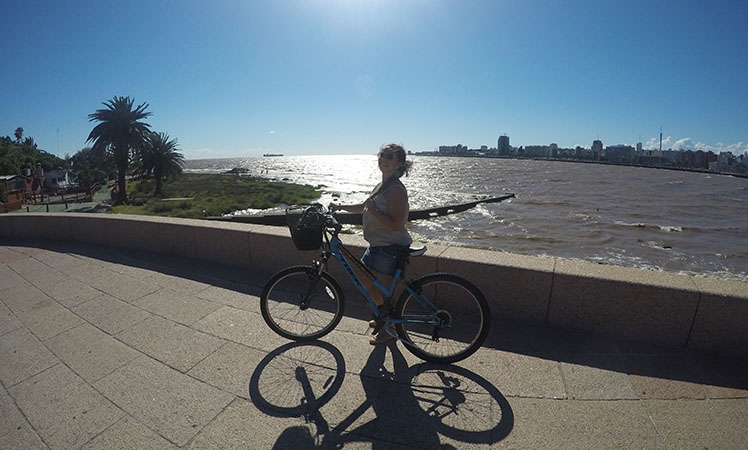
(15,186)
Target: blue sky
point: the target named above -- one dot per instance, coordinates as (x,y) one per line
(242,78)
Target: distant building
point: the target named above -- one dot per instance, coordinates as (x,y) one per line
(536,151)
(619,153)
(458,149)
(503,147)
(597,149)
(59,180)
(725,162)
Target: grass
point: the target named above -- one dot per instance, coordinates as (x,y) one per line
(200,195)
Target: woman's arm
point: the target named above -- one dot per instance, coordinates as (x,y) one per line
(397,203)
(357,209)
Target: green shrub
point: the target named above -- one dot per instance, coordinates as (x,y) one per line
(213,195)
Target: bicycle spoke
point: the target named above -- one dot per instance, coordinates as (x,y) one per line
(459,309)
(298,306)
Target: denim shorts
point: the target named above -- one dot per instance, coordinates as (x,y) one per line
(382,259)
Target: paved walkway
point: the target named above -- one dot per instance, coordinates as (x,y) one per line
(103,348)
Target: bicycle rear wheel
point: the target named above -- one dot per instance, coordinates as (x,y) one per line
(299,304)
(460,308)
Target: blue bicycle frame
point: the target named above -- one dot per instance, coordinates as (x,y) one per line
(337,249)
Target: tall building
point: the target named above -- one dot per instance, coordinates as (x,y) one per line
(597,149)
(503,145)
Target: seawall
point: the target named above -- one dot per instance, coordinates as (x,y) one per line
(669,309)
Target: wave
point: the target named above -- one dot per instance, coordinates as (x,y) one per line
(665,228)
(546,202)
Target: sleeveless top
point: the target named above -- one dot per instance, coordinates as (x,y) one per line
(378,235)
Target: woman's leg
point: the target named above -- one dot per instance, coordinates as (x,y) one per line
(375,258)
(383,335)
(373,291)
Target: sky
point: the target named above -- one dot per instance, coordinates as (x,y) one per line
(236,78)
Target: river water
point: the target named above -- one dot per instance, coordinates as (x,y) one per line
(638,217)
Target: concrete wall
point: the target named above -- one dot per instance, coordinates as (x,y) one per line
(664,308)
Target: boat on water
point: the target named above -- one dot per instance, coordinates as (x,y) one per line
(272,154)
(279,218)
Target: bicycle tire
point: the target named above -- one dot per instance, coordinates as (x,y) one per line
(280,303)
(463,307)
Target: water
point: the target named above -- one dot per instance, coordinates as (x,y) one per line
(638,217)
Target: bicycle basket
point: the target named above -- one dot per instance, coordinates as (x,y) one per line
(306,224)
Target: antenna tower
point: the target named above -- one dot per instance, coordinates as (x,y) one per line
(660,138)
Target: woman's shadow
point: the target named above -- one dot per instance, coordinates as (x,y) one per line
(413,405)
(399,418)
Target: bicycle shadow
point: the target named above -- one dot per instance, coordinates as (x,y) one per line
(418,406)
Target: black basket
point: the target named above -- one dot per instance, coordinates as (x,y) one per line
(307,224)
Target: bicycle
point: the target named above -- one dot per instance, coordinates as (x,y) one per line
(440,317)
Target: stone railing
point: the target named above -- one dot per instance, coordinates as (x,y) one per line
(656,307)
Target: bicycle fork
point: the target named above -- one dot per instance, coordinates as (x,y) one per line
(314,276)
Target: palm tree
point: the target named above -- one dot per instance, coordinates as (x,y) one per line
(160,158)
(120,131)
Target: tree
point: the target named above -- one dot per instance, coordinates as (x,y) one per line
(160,158)
(29,142)
(89,168)
(15,156)
(121,132)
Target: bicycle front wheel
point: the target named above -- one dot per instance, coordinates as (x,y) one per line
(300,304)
(446,318)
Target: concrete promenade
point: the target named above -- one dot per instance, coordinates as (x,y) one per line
(106,348)
(668,309)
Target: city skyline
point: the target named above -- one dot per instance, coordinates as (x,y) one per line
(233,79)
(665,143)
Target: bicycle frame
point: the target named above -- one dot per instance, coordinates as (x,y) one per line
(336,248)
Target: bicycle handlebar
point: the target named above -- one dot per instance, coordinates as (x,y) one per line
(332,222)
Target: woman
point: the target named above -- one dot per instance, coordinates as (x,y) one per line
(384,215)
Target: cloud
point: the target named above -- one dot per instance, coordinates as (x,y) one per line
(670,143)
(737,148)
(683,144)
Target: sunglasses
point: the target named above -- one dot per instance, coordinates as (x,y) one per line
(389,156)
